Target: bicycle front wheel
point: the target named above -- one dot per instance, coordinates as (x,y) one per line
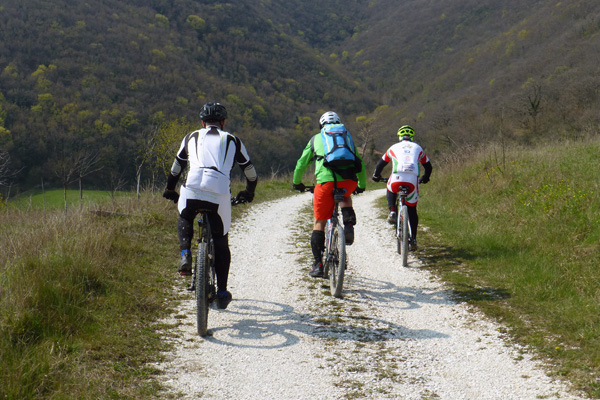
(337,266)
(202,288)
(403,236)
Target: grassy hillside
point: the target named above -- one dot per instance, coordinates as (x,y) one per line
(516,232)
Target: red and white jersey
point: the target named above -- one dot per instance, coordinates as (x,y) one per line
(405,157)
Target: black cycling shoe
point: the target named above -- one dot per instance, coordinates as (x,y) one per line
(349,234)
(317,270)
(412,244)
(223,299)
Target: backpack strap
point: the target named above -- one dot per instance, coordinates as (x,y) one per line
(312,148)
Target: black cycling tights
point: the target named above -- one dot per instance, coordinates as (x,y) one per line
(413,217)
(185,231)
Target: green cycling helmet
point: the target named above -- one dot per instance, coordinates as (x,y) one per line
(406,132)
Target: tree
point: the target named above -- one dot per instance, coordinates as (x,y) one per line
(116,182)
(534,100)
(72,164)
(87,164)
(5,172)
(167,140)
(145,151)
(65,169)
(371,129)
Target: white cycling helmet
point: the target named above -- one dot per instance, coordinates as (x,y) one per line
(329,118)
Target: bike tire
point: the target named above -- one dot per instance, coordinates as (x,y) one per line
(399,234)
(202,288)
(404,236)
(337,267)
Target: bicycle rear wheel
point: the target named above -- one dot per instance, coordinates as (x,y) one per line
(202,288)
(337,263)
(404,234)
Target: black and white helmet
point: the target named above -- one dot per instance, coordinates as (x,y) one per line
(213,112)
(329,117)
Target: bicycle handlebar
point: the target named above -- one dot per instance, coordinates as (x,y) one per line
(305,189)
(312,189)
(382,179)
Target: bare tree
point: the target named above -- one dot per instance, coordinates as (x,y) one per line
(116,182)
(71,166)
(371,129)
(534,104)
(145,152)
(87,164)
(65,169)
(5,172)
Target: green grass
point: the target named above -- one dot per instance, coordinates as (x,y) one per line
(55,199)
(82,294)
(519,238)
(78,293)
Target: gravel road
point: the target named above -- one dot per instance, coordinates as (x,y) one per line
(396,333)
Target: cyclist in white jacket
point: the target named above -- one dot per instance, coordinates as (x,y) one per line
(211,154)
(406,157)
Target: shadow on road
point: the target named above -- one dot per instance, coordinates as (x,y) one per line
(270,325)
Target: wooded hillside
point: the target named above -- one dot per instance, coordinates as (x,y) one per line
(84,87)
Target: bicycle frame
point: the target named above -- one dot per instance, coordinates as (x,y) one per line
(335,245)
(335,248)
(403,229)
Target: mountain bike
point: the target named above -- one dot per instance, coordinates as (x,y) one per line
(334,255)
(204,279)
(403,230)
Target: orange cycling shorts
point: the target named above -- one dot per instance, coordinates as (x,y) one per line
(323,203)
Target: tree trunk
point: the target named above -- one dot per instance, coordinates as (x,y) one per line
(80,192)
(65,196)
(139,177)
(43,195)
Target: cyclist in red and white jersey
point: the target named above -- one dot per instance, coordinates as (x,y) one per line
(406,157)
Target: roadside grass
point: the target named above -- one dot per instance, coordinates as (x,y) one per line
(519,238)
(53,199)
(82,294)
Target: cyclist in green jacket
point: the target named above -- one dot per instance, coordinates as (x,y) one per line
(352,178)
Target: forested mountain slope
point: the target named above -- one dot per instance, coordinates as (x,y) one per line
(79,79)
(79,75)
(474,70)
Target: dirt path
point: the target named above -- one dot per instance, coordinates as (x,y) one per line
(394,335)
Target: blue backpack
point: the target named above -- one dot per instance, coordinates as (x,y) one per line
(339,151)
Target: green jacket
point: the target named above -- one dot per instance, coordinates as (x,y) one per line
(322,173)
